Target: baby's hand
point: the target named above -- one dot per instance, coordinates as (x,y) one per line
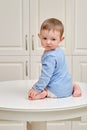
(32,93)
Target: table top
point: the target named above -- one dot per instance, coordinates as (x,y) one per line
(13,98)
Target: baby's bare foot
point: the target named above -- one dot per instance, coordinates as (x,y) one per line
(77,90)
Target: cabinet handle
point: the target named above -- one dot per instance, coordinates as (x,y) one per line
(26,68)
(32,42)
(26,42)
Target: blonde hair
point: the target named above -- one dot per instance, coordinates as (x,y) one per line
(53,24)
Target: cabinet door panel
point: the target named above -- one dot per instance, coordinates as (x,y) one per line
(35,71)
(11,125)
(80,68)
(13,30)
(80,29)
(14,68)
(59,125)
(78,125)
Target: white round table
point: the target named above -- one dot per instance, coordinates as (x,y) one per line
(14,104)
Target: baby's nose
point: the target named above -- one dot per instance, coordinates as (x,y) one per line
(48,41)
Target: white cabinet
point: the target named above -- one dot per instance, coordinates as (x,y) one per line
(14,39)
(80,28)
(79,46)
(57,125)
(80,68)
(14,27)
(35,63)
(79,125)
(14,67)
(10,125)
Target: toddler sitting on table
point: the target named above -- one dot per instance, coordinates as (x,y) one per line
(55,80)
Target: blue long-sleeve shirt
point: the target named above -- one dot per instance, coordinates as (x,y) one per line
(54,74)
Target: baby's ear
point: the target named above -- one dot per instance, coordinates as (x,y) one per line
(62,38)
(39,35)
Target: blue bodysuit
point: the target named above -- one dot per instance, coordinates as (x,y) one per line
(54,74)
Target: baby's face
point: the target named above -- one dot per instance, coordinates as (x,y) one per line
(49,39)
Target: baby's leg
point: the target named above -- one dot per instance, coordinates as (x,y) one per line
(77,91)
(40,95)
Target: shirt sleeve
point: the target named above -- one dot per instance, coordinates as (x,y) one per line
(48,66)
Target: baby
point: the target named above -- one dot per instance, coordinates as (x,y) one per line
(55,80)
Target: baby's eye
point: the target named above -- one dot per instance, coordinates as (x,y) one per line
(44,38)
(53,39)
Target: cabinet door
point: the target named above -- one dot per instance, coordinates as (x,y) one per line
(14,26)
(80,41)
(79,125)
(80,28)
(59,125)
(80,68)
(35,63)
(11,125)
(43,9)
(14,68)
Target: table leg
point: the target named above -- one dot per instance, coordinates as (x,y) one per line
(37,125)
